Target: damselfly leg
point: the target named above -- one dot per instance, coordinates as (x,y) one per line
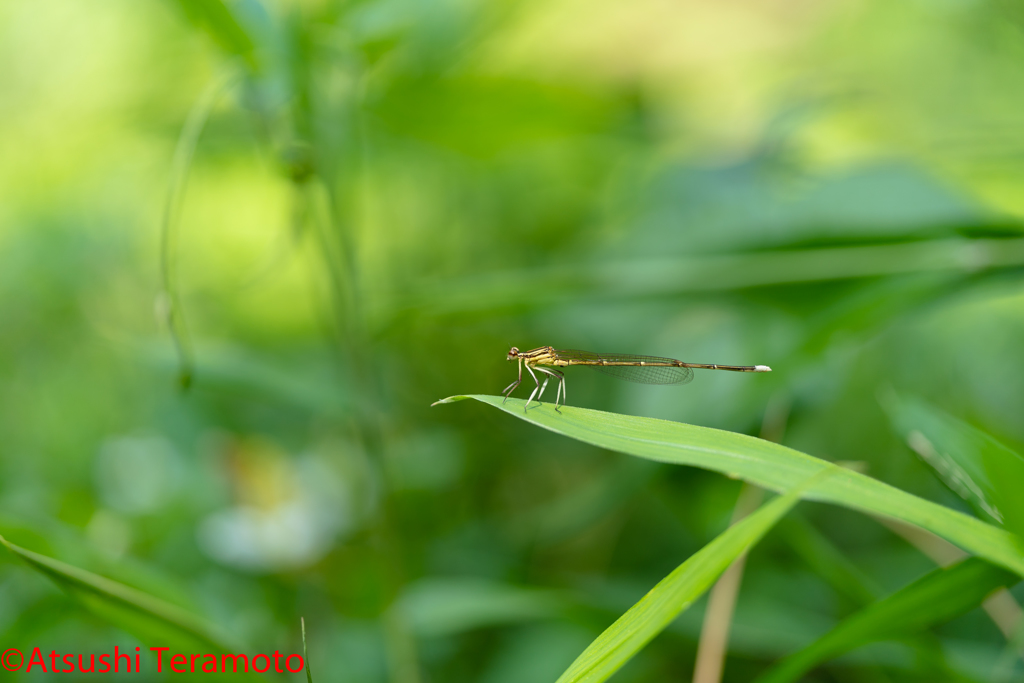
(560,378)
(535,389)
(512,387)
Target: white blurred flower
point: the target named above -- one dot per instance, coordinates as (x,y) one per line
(290,514)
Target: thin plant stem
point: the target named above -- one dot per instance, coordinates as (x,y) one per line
(305,651)
(714,634)
(168,304)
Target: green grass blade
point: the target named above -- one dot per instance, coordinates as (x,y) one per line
(183,153)
(672,595)
(305,652)
(767,465)
(982,470)
(950,447)
(155,622)
(935,598)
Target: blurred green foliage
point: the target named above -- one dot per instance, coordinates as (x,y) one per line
(384,197)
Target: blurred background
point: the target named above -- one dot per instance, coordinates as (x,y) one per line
(244,245)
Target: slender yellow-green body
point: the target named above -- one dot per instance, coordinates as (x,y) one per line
(644,369)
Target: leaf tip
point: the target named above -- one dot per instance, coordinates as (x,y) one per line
(450,399)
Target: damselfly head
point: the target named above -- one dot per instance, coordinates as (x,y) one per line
(513,353)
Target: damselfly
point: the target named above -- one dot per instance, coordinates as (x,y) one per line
(628,366)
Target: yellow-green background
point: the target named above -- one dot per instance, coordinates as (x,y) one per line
(386,196)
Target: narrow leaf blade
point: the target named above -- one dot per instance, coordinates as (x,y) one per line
(154,621)
(675,593)
(937,597)
(305,652)
(979,468)
(765,464)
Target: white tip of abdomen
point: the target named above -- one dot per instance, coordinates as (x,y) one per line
(762,368)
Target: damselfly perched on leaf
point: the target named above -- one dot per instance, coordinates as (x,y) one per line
(628,366)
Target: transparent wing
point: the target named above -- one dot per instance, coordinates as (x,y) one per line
(663,370)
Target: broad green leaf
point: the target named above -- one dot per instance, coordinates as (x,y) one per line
(725,209)
(950,447)
(935,598)
(155,622)
(764,464)
(645,277)
(673,594)
(230,369)
(976,466)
